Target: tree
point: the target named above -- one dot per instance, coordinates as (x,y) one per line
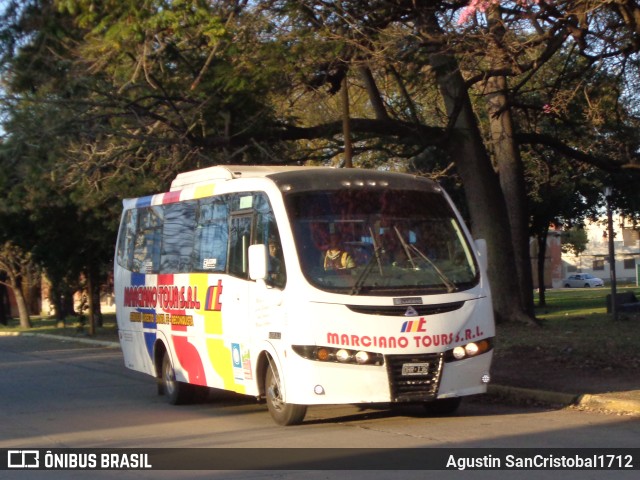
(51,208)
(15,264)
(561,199)
(5,307)
(518,42)
(482,190)
(574,240)
(145,91)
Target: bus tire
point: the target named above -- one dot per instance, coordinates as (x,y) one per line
(282,413)
(178,393)
(443,406)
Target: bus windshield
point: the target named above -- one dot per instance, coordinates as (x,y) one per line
(373,241)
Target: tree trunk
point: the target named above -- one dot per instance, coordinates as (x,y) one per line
(23,310)
(542,253)
(510,168)
(15,284)
(482,189)
(90,304)
(4,305)
(62,299)
(373,93)
(346,124)
(512,184)
(97,307)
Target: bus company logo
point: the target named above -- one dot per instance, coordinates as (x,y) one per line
(164,296)
(212,302)
(411,312)
(412,326)
(23,459)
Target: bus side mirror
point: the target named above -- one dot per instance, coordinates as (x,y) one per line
(257,262)
(481,252)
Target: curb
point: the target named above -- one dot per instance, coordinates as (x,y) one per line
(518,394)
(604,402)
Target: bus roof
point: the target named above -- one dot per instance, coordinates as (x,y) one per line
(228,172)
(202,183)
(322,178)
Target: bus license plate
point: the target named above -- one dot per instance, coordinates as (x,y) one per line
(415,369)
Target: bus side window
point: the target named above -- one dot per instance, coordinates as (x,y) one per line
(266,233)
(127,238)
(212,235)
(177,237)
(146,253)
(239,241)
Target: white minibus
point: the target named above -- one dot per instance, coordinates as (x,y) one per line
(303,286)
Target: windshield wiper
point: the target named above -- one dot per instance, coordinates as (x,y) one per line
(405,246)
(451,287)
(364,274)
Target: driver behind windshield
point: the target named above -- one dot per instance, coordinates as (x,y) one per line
(336,258)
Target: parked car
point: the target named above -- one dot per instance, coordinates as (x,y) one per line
(582,280)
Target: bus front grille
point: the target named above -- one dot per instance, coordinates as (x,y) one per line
(414,378)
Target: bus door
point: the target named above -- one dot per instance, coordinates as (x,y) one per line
(253,307)
(235,294)
(266,298)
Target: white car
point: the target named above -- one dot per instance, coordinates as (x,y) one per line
(582,280)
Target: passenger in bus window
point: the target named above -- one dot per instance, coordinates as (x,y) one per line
(276,267)
(336,258)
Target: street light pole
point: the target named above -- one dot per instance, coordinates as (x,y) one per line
(612,258)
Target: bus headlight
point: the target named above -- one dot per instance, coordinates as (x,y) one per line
(468,350)
(338,355)
(362,357)
(471,349)
(342,355)
(459,353)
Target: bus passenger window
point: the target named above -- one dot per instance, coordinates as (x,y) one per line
(127,238)
(212,235)
(177,237)
(146,253)
(240,237)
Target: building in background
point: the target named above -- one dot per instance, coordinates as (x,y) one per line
(595,259)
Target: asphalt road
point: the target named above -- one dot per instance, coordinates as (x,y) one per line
(61,394)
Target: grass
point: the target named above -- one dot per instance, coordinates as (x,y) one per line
(577,301)
(71,328)
(576,330)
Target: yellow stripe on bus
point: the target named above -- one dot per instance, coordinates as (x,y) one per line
(204,191)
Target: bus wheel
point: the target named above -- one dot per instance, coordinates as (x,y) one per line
(281,412)
(177,393)
(443,406)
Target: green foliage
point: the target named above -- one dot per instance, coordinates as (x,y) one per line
(574,240)
(112,98)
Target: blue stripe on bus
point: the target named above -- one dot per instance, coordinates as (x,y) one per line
(137,280)
(144,201)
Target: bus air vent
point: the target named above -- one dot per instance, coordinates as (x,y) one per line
(401,310)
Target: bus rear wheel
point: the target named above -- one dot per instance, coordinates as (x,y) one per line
(281,412)
(178,393)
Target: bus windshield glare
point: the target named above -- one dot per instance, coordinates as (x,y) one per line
(371,241)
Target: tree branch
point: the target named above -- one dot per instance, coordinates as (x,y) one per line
(602,162)
(421,134)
